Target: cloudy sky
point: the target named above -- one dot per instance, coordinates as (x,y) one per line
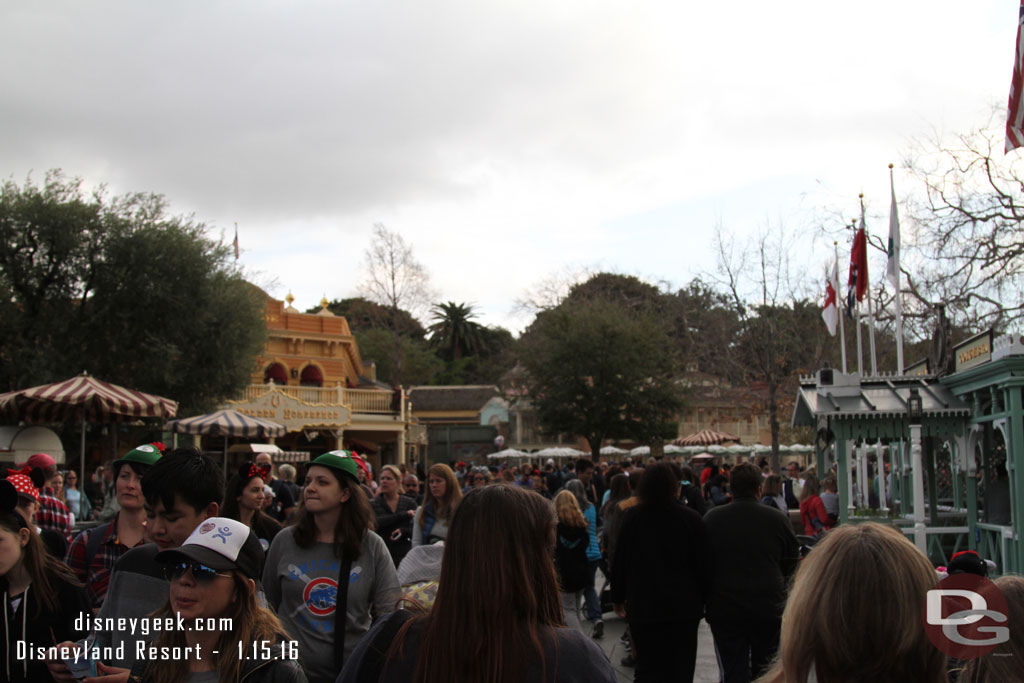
(508,142)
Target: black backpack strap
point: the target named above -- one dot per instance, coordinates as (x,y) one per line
(340,610)
(375,656)
(92,544)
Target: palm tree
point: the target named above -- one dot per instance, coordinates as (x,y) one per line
(454,330)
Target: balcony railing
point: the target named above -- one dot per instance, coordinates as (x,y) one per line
(358,400)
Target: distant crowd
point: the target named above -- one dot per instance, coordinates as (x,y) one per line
(459,573)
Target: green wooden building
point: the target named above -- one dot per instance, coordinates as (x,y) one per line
(952,447)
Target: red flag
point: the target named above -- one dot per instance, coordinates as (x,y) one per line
(830,312)
(1015,111)
(858,281)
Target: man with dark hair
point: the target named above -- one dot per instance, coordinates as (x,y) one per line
(585,473)
(689,491)
(181,491)
(755,552)
(792,485)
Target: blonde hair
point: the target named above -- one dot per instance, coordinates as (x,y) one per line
(811,487)
(397,474)
(855,612)
(567,509)
(1003,663)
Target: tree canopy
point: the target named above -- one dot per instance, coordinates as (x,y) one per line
(363,314)
(600,370)
(118,288)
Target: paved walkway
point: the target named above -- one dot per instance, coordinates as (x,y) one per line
(707,664)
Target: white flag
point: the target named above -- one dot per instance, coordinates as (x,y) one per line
(830,313)
(892,268)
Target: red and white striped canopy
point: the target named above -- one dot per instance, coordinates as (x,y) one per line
(83,398)
(226,423)
(705,437)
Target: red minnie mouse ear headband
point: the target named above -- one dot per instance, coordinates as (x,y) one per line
(250,470)
(22,483)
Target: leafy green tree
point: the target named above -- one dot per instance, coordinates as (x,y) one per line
(120,289)
(419,362)
(598,369)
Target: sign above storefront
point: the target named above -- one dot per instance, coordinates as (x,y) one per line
(294,414)
(974,351)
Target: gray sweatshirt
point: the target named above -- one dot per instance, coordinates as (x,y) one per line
(301,585)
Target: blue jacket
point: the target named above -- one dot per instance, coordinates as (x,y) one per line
(593,550)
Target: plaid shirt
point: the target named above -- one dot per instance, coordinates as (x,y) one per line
(96,574)
(53,514)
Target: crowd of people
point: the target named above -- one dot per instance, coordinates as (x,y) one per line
(484,574)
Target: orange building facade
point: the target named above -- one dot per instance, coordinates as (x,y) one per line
(311,378)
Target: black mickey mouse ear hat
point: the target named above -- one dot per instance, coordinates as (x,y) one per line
(9,501)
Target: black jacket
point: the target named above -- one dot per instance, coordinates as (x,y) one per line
(388,521)
(43,629)
(662,565)
(571,557)
(755,553)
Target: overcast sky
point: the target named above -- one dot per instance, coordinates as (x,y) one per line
(507,141)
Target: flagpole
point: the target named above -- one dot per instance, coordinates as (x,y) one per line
(871,312)
(856,313)
(893,270)
(835,285)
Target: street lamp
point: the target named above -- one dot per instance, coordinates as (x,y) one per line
(915,410)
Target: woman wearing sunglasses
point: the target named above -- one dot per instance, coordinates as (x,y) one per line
(330,558)
(213,578)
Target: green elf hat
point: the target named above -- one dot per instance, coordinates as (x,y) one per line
(346,462)
(146,455)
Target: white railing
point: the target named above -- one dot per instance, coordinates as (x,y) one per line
(994,544)
(358,400)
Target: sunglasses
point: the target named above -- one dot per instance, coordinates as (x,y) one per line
(200,572)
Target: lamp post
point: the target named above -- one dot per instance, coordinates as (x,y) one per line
(915,411)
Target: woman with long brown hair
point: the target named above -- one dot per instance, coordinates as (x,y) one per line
(244,500)
(41,598)
(433,517)
(213,578)
(497,616)
(330,574)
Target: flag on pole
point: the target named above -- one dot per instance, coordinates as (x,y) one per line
(236,241)
(892,268)
(1015,111)
(830,314)
(858,280)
